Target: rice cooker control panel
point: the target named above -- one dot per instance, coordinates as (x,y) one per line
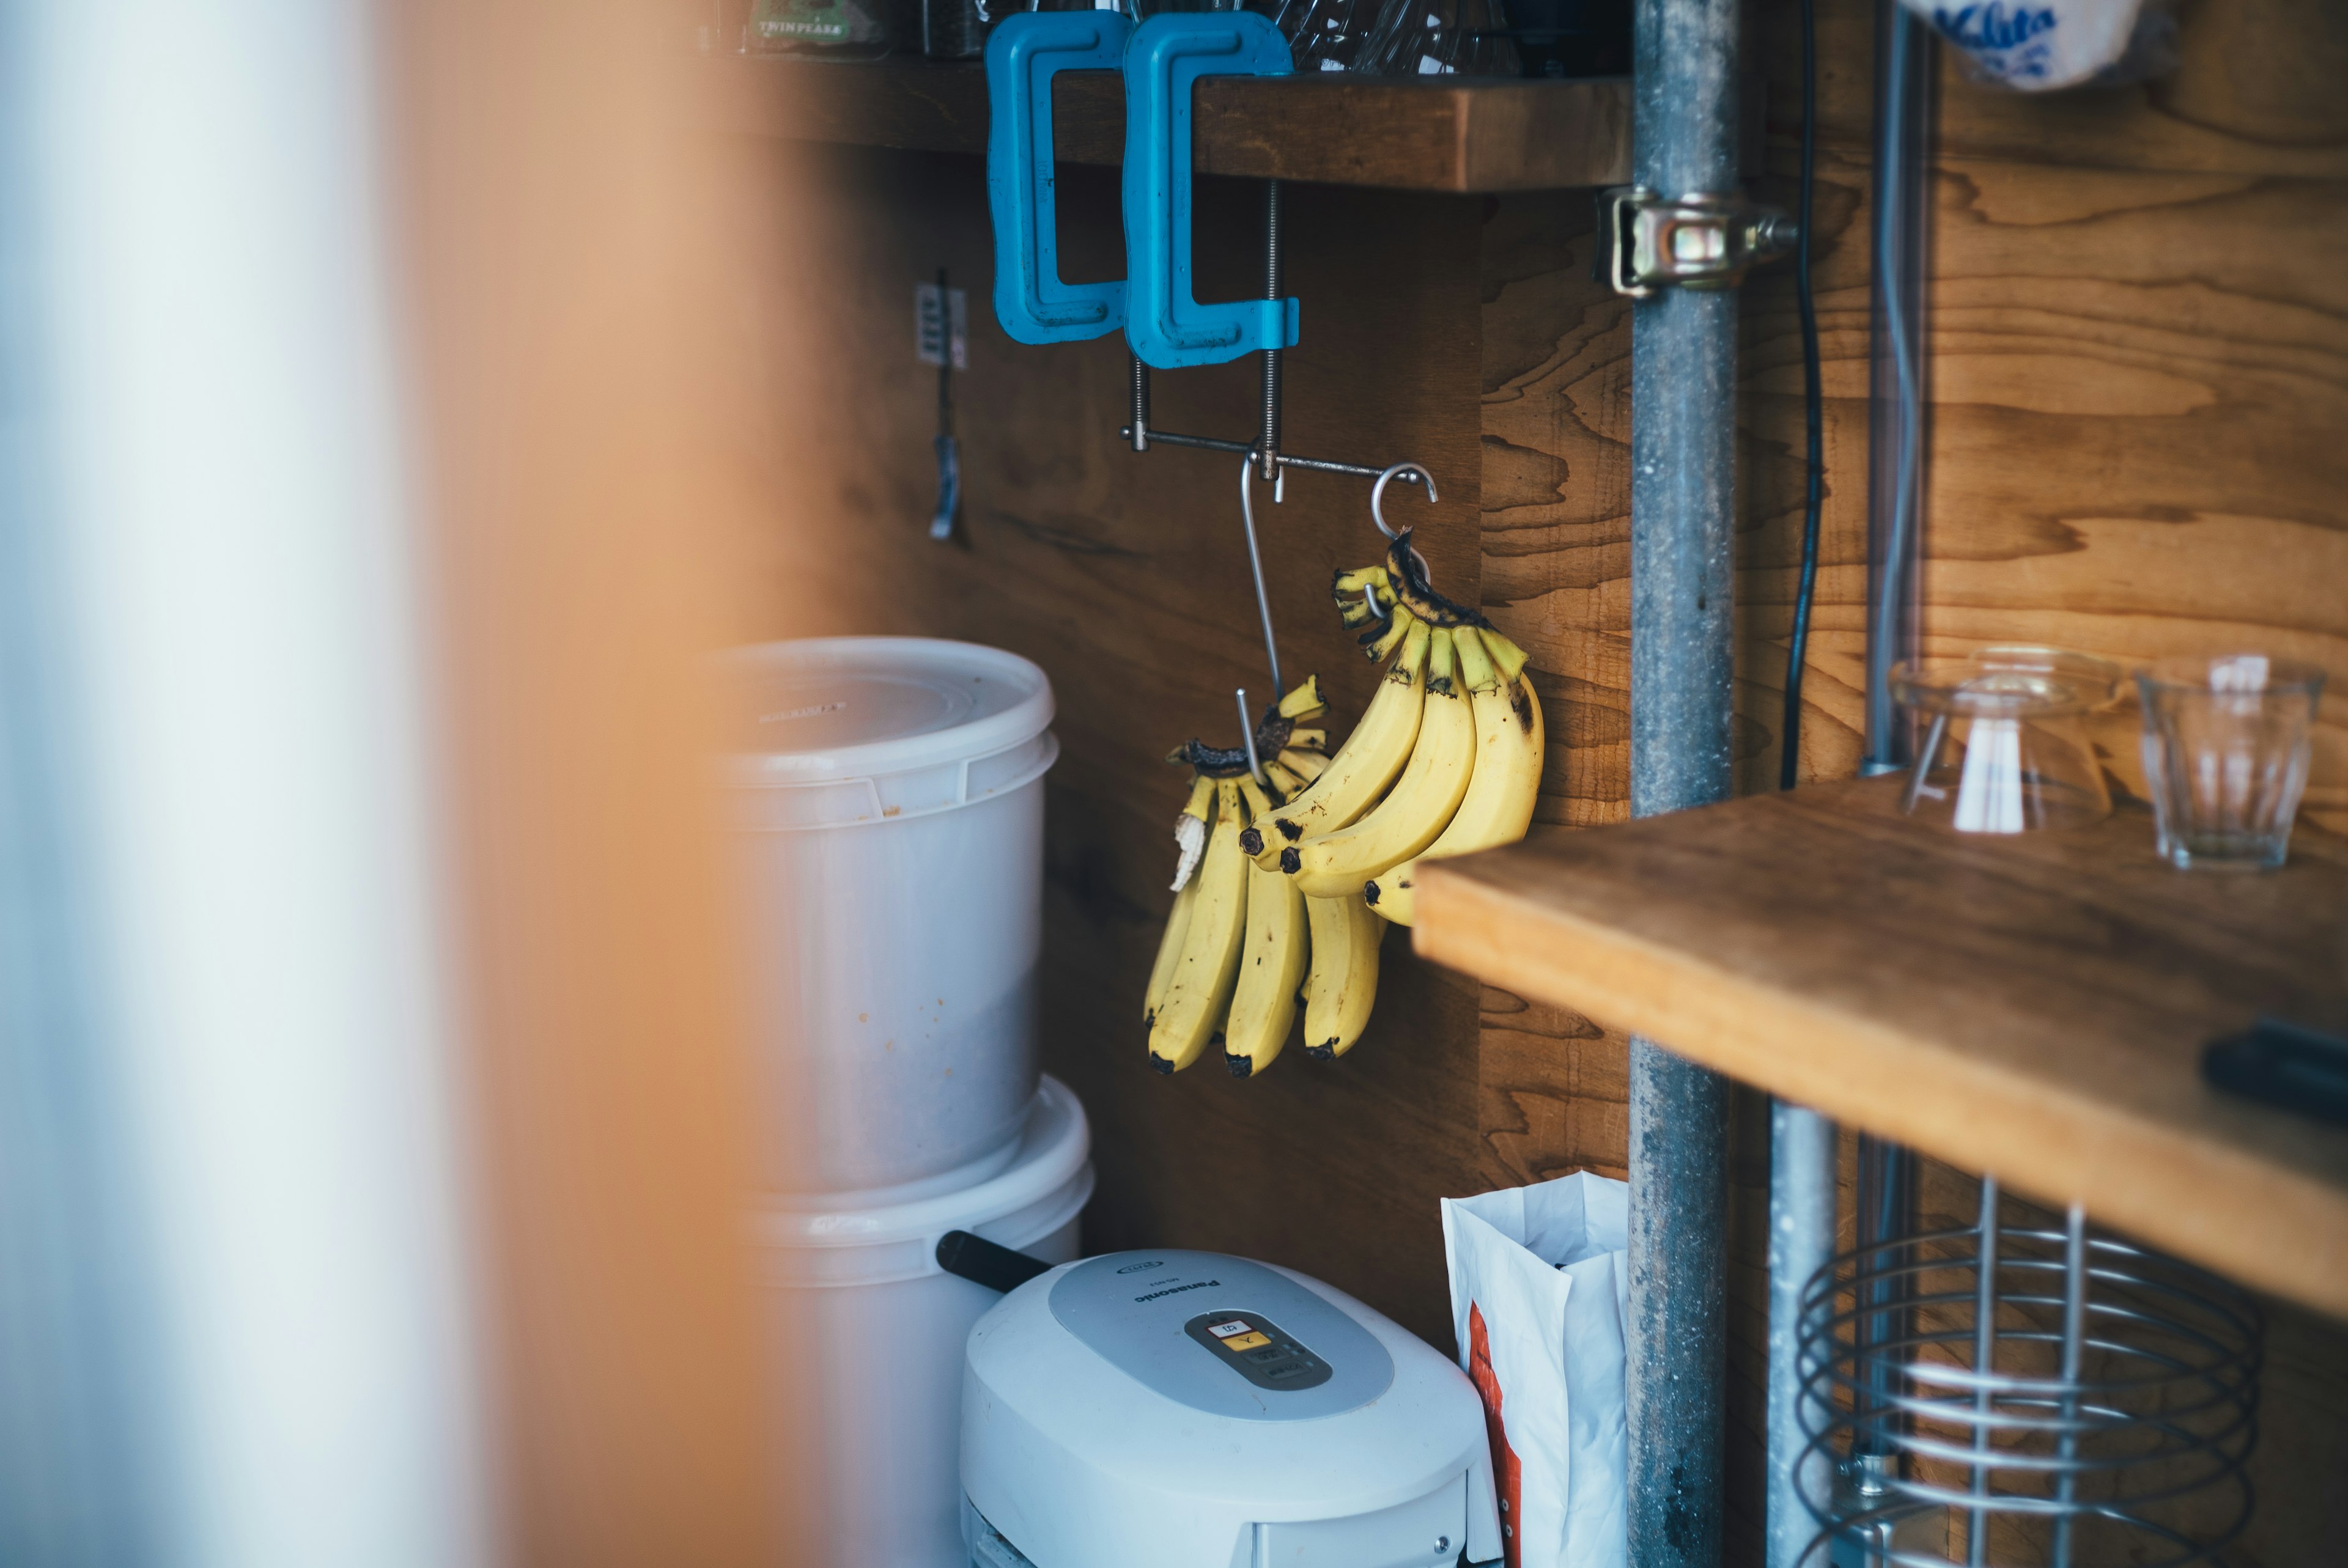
(1222,1335)
(1250,1345)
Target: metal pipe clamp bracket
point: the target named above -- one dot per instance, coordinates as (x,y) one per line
(1647,242)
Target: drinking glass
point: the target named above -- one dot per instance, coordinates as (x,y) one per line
(2005,746)
(2226,745)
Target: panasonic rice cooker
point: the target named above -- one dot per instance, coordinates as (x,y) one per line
(1186,1410)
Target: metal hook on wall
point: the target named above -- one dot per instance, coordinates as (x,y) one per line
(1406,472)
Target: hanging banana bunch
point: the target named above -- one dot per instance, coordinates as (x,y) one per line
(1234,950)
(1297,877)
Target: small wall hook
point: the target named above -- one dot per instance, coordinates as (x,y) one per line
(1405,472)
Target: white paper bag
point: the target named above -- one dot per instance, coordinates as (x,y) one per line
(1540,1290)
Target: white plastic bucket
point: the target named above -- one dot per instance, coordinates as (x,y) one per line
(871,1334)
(889,801)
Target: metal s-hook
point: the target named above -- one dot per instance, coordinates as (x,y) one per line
(1407,471)
(1256,563)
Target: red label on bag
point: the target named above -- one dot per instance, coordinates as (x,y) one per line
(1508,1477)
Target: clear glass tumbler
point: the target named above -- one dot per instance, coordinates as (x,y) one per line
(2005,746)
(2226,745)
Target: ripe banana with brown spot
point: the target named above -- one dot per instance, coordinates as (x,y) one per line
(1382,640)
(1342,983)
(1305,766)
(1187,1019)
(1420,805)
(1363,595)
(1498,804)
(1170,951)
(1272,964)
(1364,766)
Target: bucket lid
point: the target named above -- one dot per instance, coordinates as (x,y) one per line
(823,710)
(1048,1175)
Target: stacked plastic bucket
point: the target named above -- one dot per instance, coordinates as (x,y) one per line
(888,798)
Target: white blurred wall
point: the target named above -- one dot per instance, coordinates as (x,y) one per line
(204,494)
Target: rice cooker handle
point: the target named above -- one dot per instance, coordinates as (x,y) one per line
(982,1262)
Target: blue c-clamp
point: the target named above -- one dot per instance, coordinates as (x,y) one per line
(1162,59)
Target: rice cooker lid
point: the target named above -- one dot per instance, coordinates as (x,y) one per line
(821,709)
(1222,1336)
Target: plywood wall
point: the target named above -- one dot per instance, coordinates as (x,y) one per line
(2138,339)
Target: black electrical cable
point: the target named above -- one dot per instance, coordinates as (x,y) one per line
(1814,402)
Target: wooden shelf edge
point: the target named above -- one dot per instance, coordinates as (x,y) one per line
(2055,1145)
(1450,136)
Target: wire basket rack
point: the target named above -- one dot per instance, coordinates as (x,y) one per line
(2007,1394)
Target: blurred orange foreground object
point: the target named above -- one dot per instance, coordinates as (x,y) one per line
(565,235)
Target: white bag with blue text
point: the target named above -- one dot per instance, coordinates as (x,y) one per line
(2042,45)
(1540,1283)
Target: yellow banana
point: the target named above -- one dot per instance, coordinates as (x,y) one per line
(1190,829)
(1170,951)
(1506,656)
(1305,699)
(1419,807)
(1306,765)
(1384,638)
(1187,1018)
(1343,982)
(1272,964)
(1498,804)
(1315,740)
(1364,766)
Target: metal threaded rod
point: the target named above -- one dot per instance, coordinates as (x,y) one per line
(1268,445)
(1139,429)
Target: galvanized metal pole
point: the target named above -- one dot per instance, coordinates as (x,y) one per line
(1682,495)
(1801,1241)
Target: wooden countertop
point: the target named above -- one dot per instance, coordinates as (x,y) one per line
(1442,134)
(2035,1006)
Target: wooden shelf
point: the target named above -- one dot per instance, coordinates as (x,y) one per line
(1430,134)
(2035,1006)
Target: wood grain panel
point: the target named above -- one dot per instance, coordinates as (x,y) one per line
(1556,487)
(1553,1090)
(2034,1005)
(2132,451)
